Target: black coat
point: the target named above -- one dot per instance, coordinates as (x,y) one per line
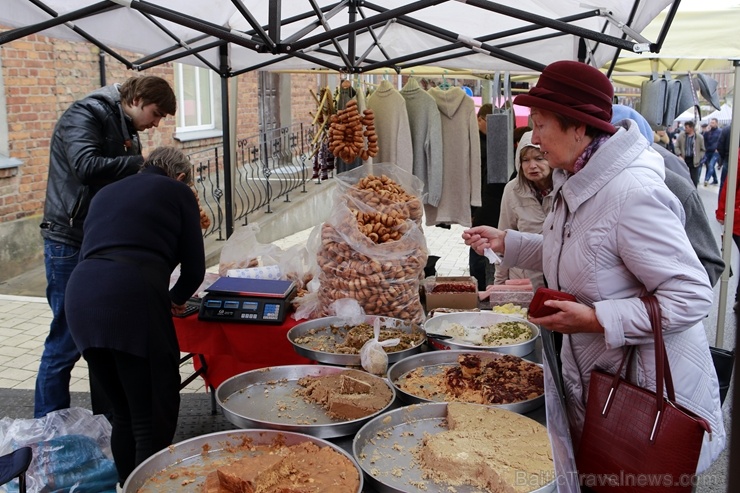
(138,230)
(93,144)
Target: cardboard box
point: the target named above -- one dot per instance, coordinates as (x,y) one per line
(450,300)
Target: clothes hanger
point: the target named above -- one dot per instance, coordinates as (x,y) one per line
(444,85)
(385,84)
(412,83)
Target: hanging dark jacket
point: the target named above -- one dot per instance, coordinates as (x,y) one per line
(94,143)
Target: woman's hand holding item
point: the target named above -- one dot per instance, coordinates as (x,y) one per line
(570,319)
(178,309)
(481,237)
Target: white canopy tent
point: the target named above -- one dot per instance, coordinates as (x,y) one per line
(723,115)
(350,36)
(346,35)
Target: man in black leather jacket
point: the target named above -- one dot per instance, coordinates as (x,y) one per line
(95,142)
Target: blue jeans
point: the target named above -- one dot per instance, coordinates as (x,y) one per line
(710,161)
(723,174)
(60,352)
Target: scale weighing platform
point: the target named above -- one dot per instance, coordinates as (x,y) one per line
(234,299)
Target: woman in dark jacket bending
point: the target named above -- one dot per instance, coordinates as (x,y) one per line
(119,305)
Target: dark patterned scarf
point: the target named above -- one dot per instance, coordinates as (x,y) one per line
(589,151)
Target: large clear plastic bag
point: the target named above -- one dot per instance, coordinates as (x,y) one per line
(367,189)
(242,250)
(383,277)
(71,452)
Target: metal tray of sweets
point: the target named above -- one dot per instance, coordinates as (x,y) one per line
(386,450)
(436,324)
(267,398)
(183,467)
(326,337)
(435,362)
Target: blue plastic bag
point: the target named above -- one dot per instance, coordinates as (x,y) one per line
(71,452)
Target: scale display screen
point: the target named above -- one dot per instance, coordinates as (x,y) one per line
(234,300)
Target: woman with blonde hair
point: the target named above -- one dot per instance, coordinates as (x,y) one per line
(525,203)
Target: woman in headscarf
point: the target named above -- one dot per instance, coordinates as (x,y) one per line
(615,234)
(525,203)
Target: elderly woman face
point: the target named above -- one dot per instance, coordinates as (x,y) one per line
(535,167)
(560,147)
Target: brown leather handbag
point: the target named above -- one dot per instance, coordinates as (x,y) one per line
(635,439)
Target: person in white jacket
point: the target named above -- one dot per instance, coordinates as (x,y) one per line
(615,234)
(525,203)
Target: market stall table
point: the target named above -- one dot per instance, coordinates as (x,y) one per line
(221,350)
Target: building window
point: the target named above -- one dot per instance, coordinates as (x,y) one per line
(198,102)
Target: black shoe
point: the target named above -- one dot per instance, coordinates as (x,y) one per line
(736,307)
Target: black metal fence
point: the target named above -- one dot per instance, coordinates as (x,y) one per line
(268,166)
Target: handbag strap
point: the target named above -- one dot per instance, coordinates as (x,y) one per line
(496,89)
(662,367)
(507,89)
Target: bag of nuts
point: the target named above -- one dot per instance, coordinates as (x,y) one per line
(383,188)
(374,254)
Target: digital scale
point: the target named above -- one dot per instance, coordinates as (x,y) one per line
(234,299)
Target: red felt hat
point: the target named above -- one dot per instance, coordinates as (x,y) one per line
(575,90)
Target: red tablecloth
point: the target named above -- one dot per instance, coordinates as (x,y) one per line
(231,348)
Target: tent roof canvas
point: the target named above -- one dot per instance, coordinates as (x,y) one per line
(347,35)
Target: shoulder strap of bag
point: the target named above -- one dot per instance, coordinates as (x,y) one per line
(507,90)
(662,368)
(496,92)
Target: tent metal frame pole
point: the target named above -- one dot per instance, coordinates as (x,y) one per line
(197,24)
(177,56)
(258,30)
(453,38)
(274,15)
(666,25)
(730,182)
(84,34)
(352,41)
(223,52)
(327,15)
(633,12)
(376,39)
(362,24)
(555,24)
(57,20)
(180,42)
(325,24)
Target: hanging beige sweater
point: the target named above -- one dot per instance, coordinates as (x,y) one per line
(461,158)
(426,136)
(392,127)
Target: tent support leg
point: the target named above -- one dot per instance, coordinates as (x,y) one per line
(228,207)
(729,212)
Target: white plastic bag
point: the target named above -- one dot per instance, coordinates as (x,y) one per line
(373,357)
(349,310)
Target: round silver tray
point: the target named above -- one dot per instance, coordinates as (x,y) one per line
(479,319)
(437,361)
(304,328)
(193,459)
(266,398)
(385,447)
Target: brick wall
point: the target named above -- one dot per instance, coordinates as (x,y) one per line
(43,76)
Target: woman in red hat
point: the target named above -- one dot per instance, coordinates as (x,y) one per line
(615,234)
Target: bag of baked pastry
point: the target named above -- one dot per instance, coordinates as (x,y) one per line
(373,258)
(384,188)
